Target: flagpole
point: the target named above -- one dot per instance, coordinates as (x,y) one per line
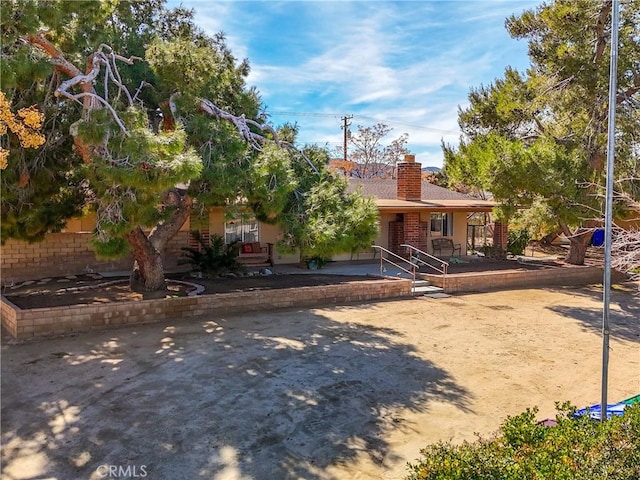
(608,218)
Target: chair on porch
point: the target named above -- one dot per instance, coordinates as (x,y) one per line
(445,245)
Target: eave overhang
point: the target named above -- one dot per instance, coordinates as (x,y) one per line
(436,205)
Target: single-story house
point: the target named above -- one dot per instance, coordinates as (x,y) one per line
(416,212)
(411,211)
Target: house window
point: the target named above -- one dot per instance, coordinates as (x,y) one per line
(441,224)
(241,230)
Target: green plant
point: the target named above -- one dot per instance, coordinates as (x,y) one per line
(518,240)
(316,262)
(575,449)
(213,258)
(493,251)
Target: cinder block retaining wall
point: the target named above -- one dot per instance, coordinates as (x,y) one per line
(69,253)
(510,279)
(40,322)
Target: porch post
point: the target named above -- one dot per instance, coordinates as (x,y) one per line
(501,235)
(412,228)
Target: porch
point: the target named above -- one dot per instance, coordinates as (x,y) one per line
(473,273)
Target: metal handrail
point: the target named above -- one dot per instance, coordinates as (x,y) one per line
(443,264)
(411,272)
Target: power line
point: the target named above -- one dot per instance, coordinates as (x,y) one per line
(364,117)
(302,114)
(429,129)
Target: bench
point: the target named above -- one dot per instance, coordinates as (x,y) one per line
(445,245)
(255,254)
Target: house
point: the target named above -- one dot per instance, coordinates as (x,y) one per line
(416,212)
(411,211)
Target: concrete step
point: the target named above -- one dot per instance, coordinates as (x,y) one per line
(423,289)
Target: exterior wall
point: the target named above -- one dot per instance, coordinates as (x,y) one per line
(460,230)
(271,234)
(268,234)
(216,221)
(69,252)
(62,254)
(24,324)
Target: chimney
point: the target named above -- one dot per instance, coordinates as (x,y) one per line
(409,179)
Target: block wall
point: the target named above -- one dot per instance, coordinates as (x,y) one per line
(514,279)
(62,254)
(39,322)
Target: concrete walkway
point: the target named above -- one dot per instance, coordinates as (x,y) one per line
(365,268)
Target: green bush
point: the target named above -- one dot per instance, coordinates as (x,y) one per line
(517,241)
(214,258)
(575,449)
(493,252)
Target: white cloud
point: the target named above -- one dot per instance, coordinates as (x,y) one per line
(407,64)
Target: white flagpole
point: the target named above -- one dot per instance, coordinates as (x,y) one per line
(608,218)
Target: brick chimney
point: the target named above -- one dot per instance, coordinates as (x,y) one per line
(409,179)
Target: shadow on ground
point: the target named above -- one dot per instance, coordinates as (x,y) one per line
(624,310)
(281,396)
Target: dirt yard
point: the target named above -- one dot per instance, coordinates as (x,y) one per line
(350,392)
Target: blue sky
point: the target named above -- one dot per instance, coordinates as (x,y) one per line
(408,64)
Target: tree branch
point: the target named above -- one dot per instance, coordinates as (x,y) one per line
(163,232)
(242,125)
(90,99)
(60,63)
(601,23)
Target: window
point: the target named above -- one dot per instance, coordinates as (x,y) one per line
(241,230)
(441,224)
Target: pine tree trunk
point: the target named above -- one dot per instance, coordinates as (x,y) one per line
(148,270)
(578,243)
(547,239)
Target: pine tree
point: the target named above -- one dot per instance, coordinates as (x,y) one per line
(540,136)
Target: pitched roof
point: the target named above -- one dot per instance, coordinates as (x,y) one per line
(433,196)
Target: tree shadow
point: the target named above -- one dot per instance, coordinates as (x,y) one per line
(280,395)
(624,311)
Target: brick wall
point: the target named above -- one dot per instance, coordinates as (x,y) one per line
(412,228)
(500,234)
(39,322)
(69,253)
(409,179)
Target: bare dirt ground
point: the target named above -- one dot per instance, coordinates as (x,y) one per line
(346,392)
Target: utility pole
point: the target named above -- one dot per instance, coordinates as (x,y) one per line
(345,126)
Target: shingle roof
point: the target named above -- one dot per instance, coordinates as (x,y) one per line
(433,197)
(385,189)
